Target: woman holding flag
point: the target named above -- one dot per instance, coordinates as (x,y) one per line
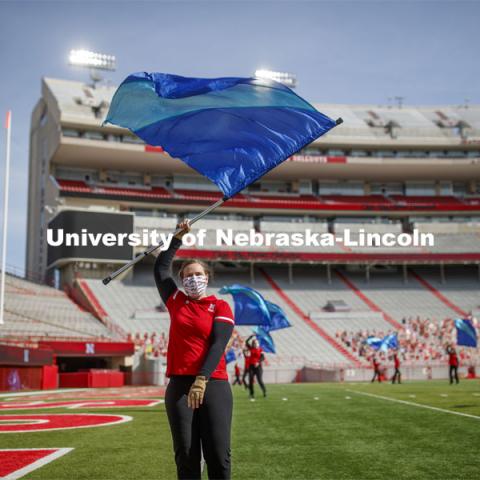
(198,399)
(255,368)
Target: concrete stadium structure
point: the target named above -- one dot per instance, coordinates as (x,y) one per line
(385,169)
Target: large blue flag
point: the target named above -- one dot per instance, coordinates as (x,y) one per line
(466,334)
(251,308)
(384,344)
(231,130)
(265,340)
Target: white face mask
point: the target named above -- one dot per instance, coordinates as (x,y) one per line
(195,285)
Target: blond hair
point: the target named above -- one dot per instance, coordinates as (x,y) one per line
(184,265)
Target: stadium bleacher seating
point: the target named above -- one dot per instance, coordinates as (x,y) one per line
(385,299)
(286,201)
(34,310)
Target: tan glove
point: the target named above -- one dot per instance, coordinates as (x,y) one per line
(197,392)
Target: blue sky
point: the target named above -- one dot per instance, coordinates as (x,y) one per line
(341,52)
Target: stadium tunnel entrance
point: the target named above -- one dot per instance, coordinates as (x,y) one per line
(92,364)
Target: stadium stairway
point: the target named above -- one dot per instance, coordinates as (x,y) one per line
(435,291)
(35,310)
(387,293)
(85,297)
(371,305)
(303,316)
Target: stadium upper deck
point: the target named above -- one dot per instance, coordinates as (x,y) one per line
(382,164)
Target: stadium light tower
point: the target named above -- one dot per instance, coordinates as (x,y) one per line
(288,79)
(93,61)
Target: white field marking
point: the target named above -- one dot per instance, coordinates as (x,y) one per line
(43,392)
(87,404)
(412,396)
(27,404)
(428,407)
(348,398)
(30,421)
(252,399)
(106,404)
(476,394)
(443,395)
(315,398)
(284,399)
(121,419)
(56,453)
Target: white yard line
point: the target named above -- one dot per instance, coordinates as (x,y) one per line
(412,404)
(44,392)
(56,453)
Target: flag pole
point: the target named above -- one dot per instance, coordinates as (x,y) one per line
(8,126)
(151,249)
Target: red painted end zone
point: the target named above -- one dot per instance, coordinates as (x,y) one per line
(15,463)
(57,421)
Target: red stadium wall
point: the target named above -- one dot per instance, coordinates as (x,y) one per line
(92,379)
(21,378)
(27,369)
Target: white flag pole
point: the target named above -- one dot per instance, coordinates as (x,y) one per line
(8,127)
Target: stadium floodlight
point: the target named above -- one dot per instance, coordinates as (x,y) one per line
(93,60)
(288,79)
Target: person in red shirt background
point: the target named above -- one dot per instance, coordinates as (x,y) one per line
(396,363)
(452,364)
(246,369)
(198,399)
(237,380)
(255,368)
(376,370)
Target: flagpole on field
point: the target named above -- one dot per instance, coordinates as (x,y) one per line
(150,250)
(8,126)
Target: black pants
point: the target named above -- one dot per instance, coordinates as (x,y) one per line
(256,372)
(206,428)
(453,373)
(245,374)
(237,380)
(397,376)
(376,375)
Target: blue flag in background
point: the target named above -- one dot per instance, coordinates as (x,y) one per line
(278,319)
(251,308)
(384,344)
(230,130)
(374,342)
(230,356)
(466,334)
(265,340)
(389,342)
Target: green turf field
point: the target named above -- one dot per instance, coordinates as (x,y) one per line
(301,431)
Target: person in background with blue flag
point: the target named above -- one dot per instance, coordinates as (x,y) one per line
(452,364)
(238,380)
(198,399)
(246,366)
(377,374)
(256,369)
(397,376)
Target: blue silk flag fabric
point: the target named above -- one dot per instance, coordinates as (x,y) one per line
(265,340)
(230,356)
(466,334)
(230,130)
(389,342)
(251,308)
